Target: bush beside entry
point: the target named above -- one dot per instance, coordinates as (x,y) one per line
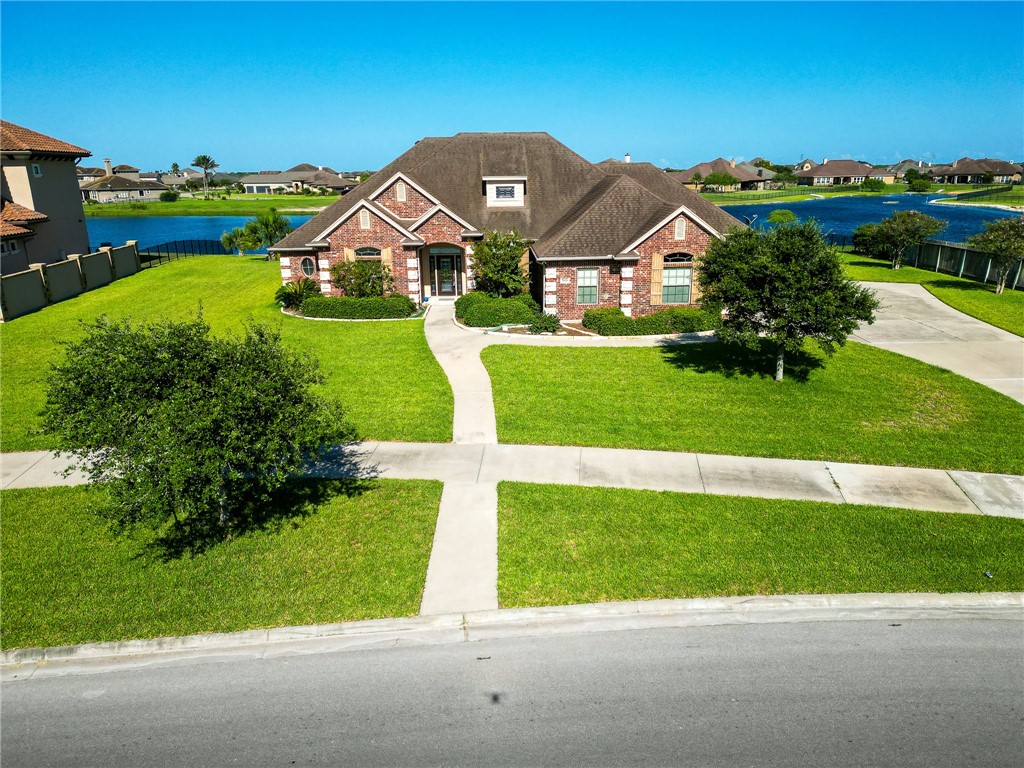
(189,433)
(368,308)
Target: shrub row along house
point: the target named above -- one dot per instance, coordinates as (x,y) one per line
(613,234)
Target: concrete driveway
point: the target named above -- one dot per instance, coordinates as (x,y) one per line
(912,322)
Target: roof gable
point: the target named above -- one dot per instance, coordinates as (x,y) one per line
(15,138)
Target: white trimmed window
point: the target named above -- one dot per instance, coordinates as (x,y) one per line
(364,219)
(677,280)
(308,267)
(680,233)
(400,192)
(505,191)
(586,285)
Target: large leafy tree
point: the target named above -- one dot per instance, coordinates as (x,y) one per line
(189,433)
(896,234)
(207,164)
(720,180)
(498,263)
(784,175)
(1003,240)
(786,285)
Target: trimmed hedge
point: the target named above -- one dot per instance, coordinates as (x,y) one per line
(467,300)
(488,312)
(610,321)
(367,308)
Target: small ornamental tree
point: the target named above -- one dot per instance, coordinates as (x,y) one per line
(1003,240)
(189,433)
(697,179)
(781,216)
(498,263)
(785,284)
(720,180)
(361,279)
(784,176)
(919,185)
(896,234)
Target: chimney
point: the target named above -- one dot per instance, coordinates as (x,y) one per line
(955,162)
(628,160)
(824,161)
(920,163)
(320,167)
(732,162)
(106,166)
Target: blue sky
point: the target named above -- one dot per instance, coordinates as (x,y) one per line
(265,85)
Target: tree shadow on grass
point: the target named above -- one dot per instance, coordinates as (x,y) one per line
(734,360)
(961,285)
(340,472)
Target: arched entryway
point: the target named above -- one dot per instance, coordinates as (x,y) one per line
(445,265)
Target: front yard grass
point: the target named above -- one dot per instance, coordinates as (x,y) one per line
(976,299)
(67,579)
(560,545)
(383,372)
(866,405)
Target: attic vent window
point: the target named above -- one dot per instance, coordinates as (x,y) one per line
(505,192)
(680,233)
(400,191)
(364,219)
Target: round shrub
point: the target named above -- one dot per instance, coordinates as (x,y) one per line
(488,313)
(608,321)
(527,299)
(467,300)
(169,196)
(545,324)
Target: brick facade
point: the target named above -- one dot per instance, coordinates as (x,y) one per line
(560,282)
(415,204)
(662,243)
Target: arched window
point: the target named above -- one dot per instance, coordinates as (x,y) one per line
(400,191)
(677,279)
(680,233)
(308,267)
(367,253)
(364,219)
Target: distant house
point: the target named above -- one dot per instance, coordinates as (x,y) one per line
(840,173)
(181,178)
(303,176)
(747,176)
(969,171)
(899,170)
(41,219)
(89,173)
(121,184)
(612,234)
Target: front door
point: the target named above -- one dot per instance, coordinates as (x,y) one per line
(445,275)
(446,270)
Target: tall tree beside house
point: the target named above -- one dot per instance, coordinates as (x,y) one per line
(697,179)
(783,175)
(190,434)
(785,285)
(207,164)
(498,263)
(720,180)
(175,168)
(895,235)
(239,240)
(1003,240)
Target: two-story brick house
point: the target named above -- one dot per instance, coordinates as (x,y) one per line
(603,235)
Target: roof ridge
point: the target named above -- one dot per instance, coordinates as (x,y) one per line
(577,211)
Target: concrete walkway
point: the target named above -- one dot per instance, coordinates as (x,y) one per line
(912,322)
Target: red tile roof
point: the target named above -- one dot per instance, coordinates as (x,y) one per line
(11,211)
(14,138)
(12,230)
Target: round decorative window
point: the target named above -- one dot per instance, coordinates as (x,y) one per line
(308,267)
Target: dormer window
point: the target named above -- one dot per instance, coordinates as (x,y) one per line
(505,191)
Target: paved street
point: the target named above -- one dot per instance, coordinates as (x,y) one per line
(865,693)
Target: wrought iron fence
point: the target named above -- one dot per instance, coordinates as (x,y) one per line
(179,249)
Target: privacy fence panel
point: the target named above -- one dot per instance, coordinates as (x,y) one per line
(21,293)
(63,280)
(961,260)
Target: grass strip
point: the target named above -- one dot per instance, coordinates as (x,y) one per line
(979,300)
(384,373)
(188,206)
(864,405)
(561,545)
(68,579)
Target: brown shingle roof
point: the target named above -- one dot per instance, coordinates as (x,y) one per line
(837,168)
(120,184)
(719,164)
(14,138)
(558,181)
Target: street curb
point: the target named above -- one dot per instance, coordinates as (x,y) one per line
(92,658)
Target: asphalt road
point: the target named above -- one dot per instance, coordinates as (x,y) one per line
(917,693)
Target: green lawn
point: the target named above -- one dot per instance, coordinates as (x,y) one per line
(560,545)
(67,579)
(976,299)
(865,405)
(383,372)
(236,205)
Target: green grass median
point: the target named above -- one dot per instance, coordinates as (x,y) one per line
(197,206)
(562,545)
(383,372)
(68,579)
(864,405)
(1005,310)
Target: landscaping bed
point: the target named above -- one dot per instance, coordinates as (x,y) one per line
(68,579)
(611,321)
(478,310)
(562,545)
(864,405)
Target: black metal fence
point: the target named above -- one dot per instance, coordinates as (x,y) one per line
(986,192)
(179,249)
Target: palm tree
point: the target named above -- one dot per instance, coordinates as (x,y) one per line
(207,163)
(175,168)
(267,228)
(239,240)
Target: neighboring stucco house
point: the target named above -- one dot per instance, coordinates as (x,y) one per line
(969,171)
(120,184)
(747,177)
(840,173)
(614,234)
(40,197)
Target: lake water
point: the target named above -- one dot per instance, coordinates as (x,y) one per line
(154,230)
(842,215)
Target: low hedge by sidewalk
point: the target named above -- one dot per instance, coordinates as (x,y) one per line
(610,321)
(395,306)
